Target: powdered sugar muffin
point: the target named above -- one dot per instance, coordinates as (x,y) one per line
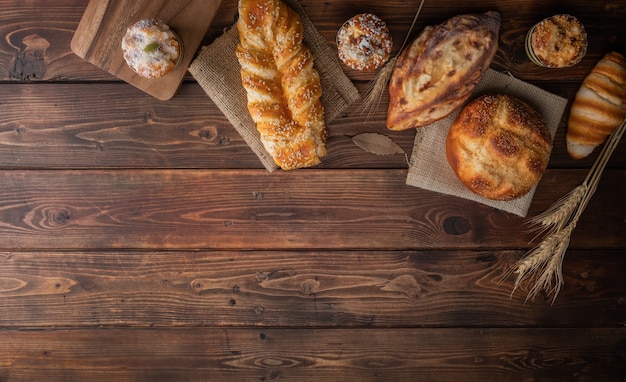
(364,42)
(151,48)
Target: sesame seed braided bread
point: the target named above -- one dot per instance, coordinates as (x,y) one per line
(283,88)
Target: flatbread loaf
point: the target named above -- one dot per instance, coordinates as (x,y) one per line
(437,73)
(499,146)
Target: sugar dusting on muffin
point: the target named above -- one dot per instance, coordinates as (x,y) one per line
(151,48)
(364,42)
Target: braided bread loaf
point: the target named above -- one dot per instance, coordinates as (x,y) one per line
(282,87)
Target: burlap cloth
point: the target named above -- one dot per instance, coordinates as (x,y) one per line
(429,168)
(218,71)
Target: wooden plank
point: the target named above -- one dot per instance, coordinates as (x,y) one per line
(301,289)
(251,209)
(67,126)
(99,34)
(36,41)
(231,354)
(56,25)
(603,25)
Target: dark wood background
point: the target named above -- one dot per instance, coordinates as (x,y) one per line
(142,240)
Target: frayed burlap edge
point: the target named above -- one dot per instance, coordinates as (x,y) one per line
(218,72)
(429,168)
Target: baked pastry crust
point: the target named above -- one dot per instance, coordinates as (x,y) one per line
(499,146)
(151,49)
(283,88)
(437,73)
(559,41)
(364,42)
(598,107)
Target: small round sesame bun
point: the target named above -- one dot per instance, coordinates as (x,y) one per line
(151,48)
(559,41)
(499,146)
(364,42)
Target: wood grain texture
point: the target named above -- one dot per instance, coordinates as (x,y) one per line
(36,41)
(300,289)
(142,240)
(231,354)
(66,126)
(99,34)
(250,209)
(55,27)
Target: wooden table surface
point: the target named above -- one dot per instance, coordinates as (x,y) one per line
(142,240)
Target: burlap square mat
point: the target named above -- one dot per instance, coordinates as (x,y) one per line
(429,168)
(218,71)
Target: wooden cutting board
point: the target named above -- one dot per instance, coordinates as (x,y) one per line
(99,34)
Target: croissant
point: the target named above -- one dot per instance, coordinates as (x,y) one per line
(283,89)
(598,107)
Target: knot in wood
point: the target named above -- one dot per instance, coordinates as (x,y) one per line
(310,286)
(55,217)
(207,133)
(30,62)
(456,225)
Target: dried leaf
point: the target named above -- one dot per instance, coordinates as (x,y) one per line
(377,144)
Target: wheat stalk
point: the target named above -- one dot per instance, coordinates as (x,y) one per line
(376,88)
(545,261)
(555,217)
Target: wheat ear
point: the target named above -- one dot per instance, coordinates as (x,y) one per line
(546,259)
(376,87)
(556,216)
